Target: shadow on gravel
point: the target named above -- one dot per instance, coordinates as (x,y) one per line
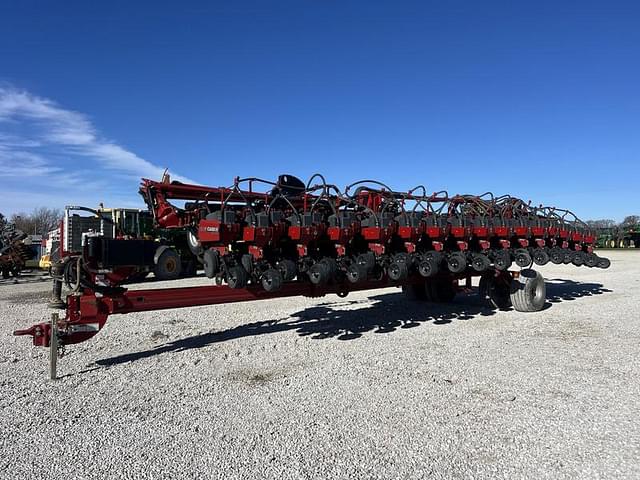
(25,278)
(344,320)
(559,290)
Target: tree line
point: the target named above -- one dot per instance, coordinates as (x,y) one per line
(607,223)
(39,222)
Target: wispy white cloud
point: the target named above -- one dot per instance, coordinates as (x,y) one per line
(43,144)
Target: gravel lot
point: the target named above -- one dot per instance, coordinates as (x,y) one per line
(369,386)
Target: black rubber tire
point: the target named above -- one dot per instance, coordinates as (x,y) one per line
(578,259)
(502,260)
(70,272)
(556,255)
(319,273)
(271,280)
(288,269)
(194,244)
(480,262)
(567,256)
(368,260)
(457,262)
(591,260)
(495,292)
(356,273)
(211,262)
(333,266)
(237,277)
(428,267)
(528,291)
(169,266)
(434,255)
(402,258)
(415,291)
(604,262)
(440,290)
(522,257)
(540,256)
(247,262)
(398,271)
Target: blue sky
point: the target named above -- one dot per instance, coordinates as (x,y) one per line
(538,99)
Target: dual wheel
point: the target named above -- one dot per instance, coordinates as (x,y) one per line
(437,290)
(526,292)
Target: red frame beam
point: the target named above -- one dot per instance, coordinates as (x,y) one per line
(88,313)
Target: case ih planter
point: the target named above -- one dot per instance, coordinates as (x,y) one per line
(290,238)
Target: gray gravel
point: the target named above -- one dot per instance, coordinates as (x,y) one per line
(369,386)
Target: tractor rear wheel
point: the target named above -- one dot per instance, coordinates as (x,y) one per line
(169,266)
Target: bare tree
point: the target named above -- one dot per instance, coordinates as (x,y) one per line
(603,223)
(631,220)
(40,221)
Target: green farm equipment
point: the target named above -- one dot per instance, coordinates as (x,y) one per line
(624,236)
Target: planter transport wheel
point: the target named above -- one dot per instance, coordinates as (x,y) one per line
(440,290)
(528,291)
(495,290)
(415,291)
